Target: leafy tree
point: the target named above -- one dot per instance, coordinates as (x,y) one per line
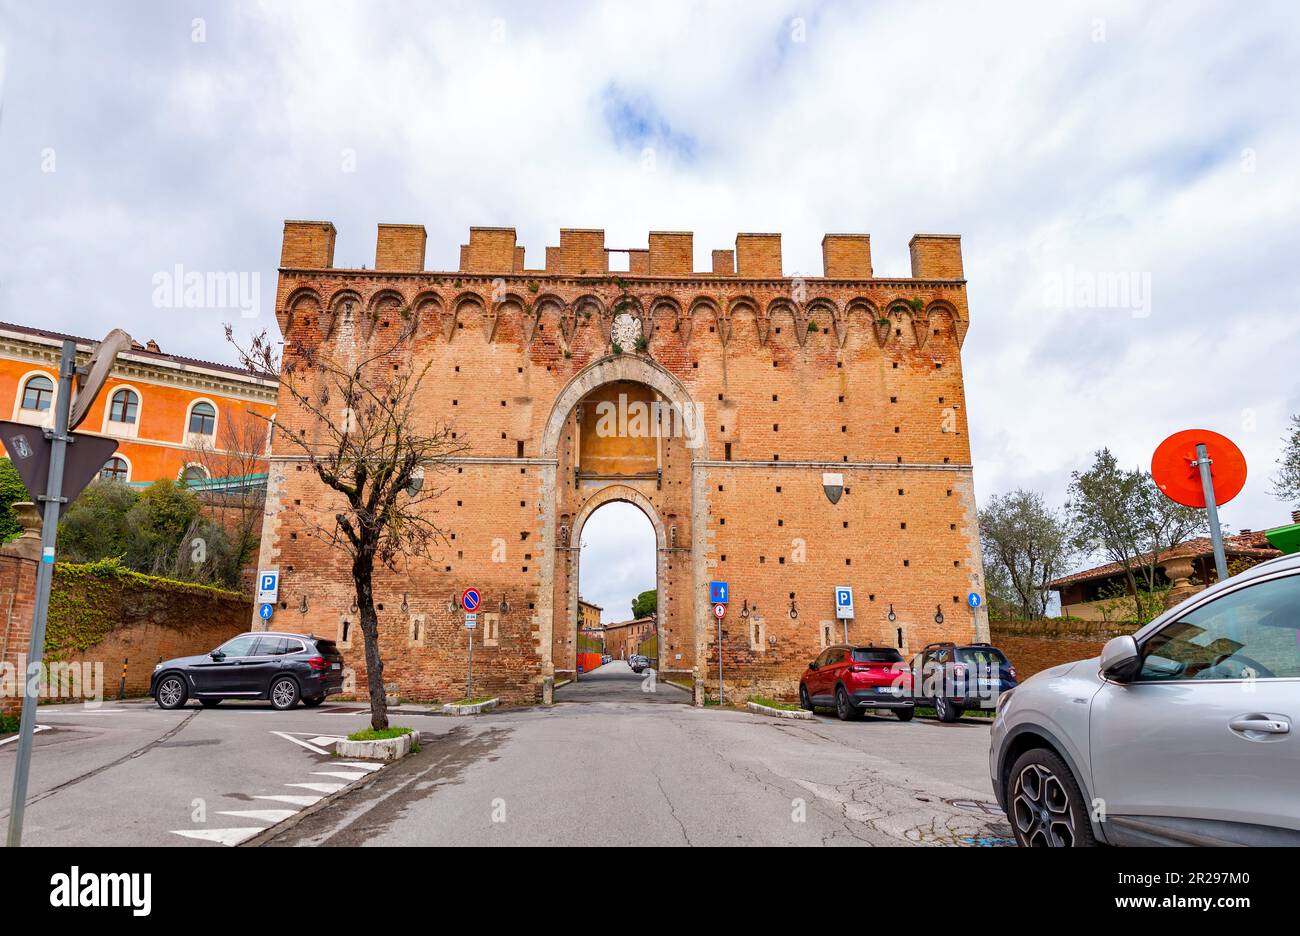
(1286,483)
(355,422)
(158,522)
(1026,545)
(1122,515)
(11,492)
(95,525)
(645,604)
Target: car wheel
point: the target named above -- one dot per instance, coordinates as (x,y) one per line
(844,708)
(946,711)
(209,703)
(284,693)
(1045,806)
(172,692)
(805,701)
(312,703)
(905,714)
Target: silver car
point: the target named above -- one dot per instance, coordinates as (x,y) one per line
(1183,733)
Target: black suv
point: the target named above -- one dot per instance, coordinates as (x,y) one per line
(955,677)
(284,668)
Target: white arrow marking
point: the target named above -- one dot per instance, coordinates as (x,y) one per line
(220,836)
(319,787)
(326,739)
(292,800)
(37,730)
(307,745)
(261,815)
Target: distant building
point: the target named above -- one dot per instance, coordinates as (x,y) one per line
(1187,568)
(588,615)
(623,639)
(174,417)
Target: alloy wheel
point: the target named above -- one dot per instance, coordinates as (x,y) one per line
(170,692)
(283,694)
(1040,808)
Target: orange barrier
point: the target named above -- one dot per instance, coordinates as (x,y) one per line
(588,662)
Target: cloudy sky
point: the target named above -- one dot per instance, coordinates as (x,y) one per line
(1153,144)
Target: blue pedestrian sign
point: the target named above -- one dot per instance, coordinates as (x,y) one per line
(718,592)
(843,602)
(265,611)
(974,599)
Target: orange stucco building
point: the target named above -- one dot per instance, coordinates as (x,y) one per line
(173,417)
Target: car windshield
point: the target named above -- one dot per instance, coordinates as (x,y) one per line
(981,657)
(876,655)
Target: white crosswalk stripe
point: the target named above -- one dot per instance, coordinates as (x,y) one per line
(221,836)
(348,775)
(292,800)
(261,815)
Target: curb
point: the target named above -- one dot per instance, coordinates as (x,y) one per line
(476,709)
(387,749)
(802,714)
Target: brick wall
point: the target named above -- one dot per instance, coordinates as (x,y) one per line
(1033,646)
(17,605)
(781,404)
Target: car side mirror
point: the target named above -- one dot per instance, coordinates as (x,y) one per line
(1120,659)
(812,665)
(217,655)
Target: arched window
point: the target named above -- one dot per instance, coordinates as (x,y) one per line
(193,473)
(115,469)
(203,418)
(38,393)
(123,407)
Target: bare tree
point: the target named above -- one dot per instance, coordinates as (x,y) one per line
(354,420)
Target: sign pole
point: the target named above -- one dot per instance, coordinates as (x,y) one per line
(44,576)
(1203,462)
(721,696)
(469,679)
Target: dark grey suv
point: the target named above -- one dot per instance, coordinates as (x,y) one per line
(283,668)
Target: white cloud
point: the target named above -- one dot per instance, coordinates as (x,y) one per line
(1006,123)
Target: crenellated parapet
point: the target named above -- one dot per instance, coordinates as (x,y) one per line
(745,289)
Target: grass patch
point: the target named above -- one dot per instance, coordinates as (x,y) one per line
(8,724)
(966,713)
(773,704)
(382,734)
(477,700)
(711,702)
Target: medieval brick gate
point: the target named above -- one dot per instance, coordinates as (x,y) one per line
(784,434)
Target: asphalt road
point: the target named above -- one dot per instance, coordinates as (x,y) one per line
(615,682)
(609,767)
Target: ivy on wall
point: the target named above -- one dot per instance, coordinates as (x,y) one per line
(86,601)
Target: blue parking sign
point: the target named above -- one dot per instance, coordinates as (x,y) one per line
(843,602)
(718,592)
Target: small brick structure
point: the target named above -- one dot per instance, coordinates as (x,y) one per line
(106,621)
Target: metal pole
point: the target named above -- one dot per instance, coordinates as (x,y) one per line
(44,575)
(1203,462)
(469,679)
(721,696)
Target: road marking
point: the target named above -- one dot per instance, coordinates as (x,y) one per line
(221,836)
(319,787)
(261,815)
(293,800)
(361,766)
(308,745)
(37,730)
(326,739)
(341,774)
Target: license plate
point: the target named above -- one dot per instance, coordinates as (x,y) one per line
(336,666)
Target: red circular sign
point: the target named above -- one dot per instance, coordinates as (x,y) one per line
(719,611)
(1174,471)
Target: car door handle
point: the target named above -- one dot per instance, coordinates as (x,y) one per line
(1265,725)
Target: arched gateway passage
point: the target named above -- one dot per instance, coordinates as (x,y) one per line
(623,429)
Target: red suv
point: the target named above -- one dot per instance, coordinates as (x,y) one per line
(854,679)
